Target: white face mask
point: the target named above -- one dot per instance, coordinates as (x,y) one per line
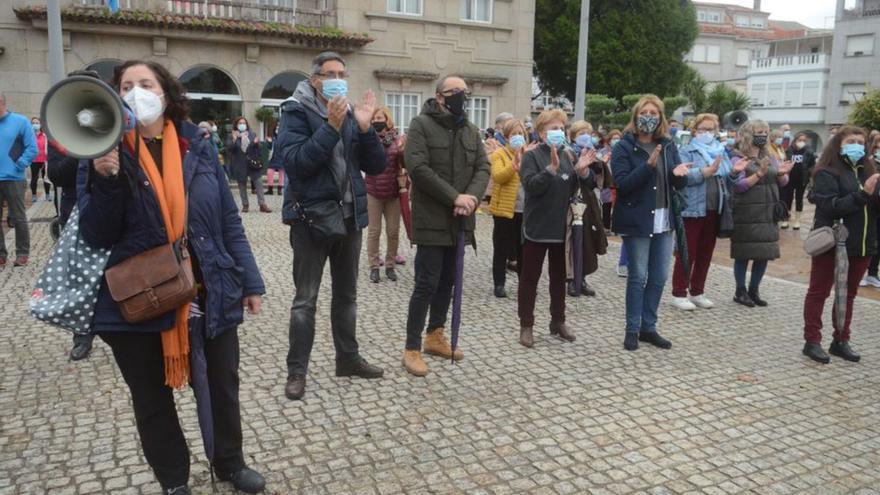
(214,128)
(147,106)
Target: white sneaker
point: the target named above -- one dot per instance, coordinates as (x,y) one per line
(863,282)
(683,304)
(622,271)
(872,281)
(702,301)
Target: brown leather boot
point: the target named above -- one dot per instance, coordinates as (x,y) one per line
(414,364)
(526,337)
(560,331)
(265,209)
(244,209)
(437,345)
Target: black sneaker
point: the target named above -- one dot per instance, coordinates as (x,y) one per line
(360,368)
(390,274)
(244,480)
(500,292)
(655,339)
(178,490)
(631,341)
(841,349)
(815,352)
(374,275)
(572,292)
(295,388)
(587,290)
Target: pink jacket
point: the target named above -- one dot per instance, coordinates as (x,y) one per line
(42,150)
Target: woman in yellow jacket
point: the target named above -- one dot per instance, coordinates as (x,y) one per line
(506,205)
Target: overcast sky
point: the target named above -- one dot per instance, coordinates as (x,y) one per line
(813,13)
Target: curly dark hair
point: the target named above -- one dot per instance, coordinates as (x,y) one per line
(176,104)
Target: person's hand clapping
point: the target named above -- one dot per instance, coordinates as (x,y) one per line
(554,159)
(588,156)
(871,184)
(712,169)
(681,170)
(337,109)
(363,112)
(652,159)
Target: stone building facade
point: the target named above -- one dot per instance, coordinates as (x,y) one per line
(236,56)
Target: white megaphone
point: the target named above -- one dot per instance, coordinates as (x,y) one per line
(85,116)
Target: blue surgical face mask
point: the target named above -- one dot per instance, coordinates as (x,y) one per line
(556,137)
(731,141)
(778,141)
(877,156)
(331,88)
(242,127)
(786,134)
(673,131)
(584,141)
(595,140)
(853,151)
(614,142)
(517,141)
(705,137)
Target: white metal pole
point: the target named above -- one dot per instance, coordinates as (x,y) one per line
(581,83)
(56,48)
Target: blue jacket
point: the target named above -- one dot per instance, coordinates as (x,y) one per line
(123,214)
(637,185)
(304,146)
(18,146)
(696,183)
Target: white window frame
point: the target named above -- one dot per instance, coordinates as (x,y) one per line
(743,55)
(473,6)
(758,23)
(864,51)
(778,90)
(401,111)
(811,86)
(758,94)
(852,92)
(701,50)
(713,50)
(472,115)
(741,21)
(792,94)
(404,3)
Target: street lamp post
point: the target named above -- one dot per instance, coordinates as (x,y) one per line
(581,83)
(56,49)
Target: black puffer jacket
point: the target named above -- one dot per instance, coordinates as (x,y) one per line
(755,233)
(838,194)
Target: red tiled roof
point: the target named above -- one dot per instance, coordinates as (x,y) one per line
(775,32)
(300,35)
(729,6)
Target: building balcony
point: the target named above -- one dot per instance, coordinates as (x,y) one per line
(309,13)
(788,115)
(790,63)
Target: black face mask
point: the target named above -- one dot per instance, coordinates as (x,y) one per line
(759,141)
(380,126)
(456,103)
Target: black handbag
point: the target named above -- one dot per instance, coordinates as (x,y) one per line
(254,164)
(725,220)
(324,220)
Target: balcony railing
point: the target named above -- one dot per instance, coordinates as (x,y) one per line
(312,13)
(784,62)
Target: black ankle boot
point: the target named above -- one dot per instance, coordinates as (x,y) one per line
(756,298)
(244,480)
(815,352)
(841,349)
(742,297)
(655,339)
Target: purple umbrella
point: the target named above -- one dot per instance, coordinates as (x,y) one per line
(841,270)
(198,369)
(577,244)
(459,278)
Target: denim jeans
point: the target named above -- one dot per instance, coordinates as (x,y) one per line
(309,259)
(740,267)
(648,267)
(432,294)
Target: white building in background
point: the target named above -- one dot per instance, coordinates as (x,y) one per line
(855,61)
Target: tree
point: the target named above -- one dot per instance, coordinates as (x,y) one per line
(637,46)
(722,99)
(866,111)
(694,89)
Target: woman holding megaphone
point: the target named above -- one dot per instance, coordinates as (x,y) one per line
(164,187)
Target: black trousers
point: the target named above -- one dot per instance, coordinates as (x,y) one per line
(309,258)
(38,170)
(506,245)
(435,276)
(793,192)
(139,356)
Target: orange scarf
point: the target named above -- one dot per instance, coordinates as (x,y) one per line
(168,186)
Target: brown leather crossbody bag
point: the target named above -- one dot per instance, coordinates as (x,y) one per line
(154,282)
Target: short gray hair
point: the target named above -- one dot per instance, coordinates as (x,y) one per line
(443,80)
(503,117)
(324,57)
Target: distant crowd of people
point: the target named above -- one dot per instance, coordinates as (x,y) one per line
(556,191)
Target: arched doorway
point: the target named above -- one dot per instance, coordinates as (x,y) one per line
(105,68)
(213,96)
(279,88)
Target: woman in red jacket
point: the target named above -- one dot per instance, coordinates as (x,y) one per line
(383,197)
(38,166)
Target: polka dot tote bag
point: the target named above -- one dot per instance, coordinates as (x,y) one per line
(67,290)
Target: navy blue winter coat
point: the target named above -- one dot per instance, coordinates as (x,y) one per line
(637,185)
(123,214)
(304,146)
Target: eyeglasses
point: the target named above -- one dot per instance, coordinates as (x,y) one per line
(705,129)
(452,92)
(333,75)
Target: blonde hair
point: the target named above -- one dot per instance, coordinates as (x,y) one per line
(662,130)
(389,120)
(512,125)
(704,116)
(777,151)
(578,126)
(745,134)
(548,116)
(612,133)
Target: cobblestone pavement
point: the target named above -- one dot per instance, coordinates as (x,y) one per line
(733,408)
